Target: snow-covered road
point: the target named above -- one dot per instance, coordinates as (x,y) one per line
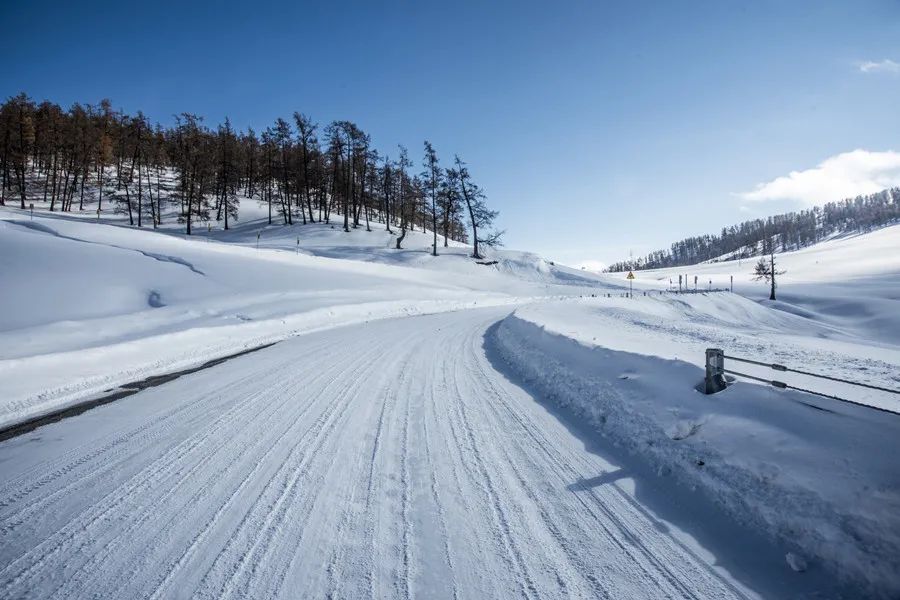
(391,459)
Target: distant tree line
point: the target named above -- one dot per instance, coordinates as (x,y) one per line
(300,171)
(790,231)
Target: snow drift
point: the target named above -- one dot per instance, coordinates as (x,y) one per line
(824,483)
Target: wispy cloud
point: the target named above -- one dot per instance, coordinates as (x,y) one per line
(841,176)
(595,266)
(881,66)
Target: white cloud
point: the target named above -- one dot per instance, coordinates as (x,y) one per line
(595,266)
(881,66)
(842,176)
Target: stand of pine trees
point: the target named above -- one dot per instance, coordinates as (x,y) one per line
(790,231)
(94,157)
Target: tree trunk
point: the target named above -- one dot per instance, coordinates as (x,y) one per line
(158,198)
(140,195)
(465,192)
(772,265)
(190,205)
(20,174)
(306,183)
(83,177)
(225,202)
(347,196)
(100,182)
(433,220)
(446,224)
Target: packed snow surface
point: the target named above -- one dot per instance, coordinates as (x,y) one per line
(387,460)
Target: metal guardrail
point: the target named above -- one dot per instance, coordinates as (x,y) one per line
(651,293)
(715,378)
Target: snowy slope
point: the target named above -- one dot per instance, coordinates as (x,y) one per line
(378,246)
(839,259)
(851,282)
(86,305)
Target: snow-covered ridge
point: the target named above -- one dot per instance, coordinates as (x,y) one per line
(850,283)
(824,484)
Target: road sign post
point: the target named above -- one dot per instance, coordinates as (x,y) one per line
(715,371)
(31,207)
(630,279)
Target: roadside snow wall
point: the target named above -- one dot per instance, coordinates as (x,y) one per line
(824,483)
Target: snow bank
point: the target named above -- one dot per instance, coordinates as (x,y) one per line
(825,483)
(37,385)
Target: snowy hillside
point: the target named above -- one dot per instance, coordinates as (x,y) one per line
(851,283)
(88,305)
(535,378)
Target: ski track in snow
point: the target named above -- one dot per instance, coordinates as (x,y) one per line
(384,460)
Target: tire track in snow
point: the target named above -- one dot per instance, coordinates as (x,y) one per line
(385,460)
(297,462)
(98,513)
(487,544)
(162,587)
(433,483)
(489,486)
(469,536)
(306,505)
(270,418)
(623,502)
(142,480)
(337,570)
(142,516)
(560,466)
(555,540)
(375,484)
(406,581)
(10,522)
(47,472)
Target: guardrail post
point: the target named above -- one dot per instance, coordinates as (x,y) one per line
(715,370)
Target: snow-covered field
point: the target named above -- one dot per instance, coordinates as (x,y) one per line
(434,427)
(850,282)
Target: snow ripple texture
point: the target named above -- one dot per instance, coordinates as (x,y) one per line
(387,460)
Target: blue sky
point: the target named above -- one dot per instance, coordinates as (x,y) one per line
(597,128)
